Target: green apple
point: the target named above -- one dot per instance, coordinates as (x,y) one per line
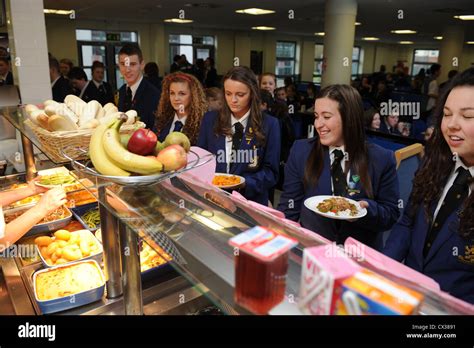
(178,138)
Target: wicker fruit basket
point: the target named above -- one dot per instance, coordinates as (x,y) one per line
(53,142)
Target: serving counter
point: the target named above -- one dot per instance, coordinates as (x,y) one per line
(189,220)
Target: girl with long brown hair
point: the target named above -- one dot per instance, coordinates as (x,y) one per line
(246,141)
(338,161)
(435,235)
(182,106)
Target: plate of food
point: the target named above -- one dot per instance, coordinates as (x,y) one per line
(335,207)
(227,181)
(55,180)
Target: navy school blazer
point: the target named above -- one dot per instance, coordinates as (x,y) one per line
(162,133)
(145,102)
(260,175)
(383,209)
(450,261)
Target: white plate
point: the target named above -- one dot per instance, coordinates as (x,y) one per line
(59,185)
(312,203)
(242,180)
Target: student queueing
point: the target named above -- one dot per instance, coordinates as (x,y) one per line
(246,141)
(137,93)
(13,231)
(339,162)
(183,104)
(435,235)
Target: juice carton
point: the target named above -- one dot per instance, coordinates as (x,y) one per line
(324,269)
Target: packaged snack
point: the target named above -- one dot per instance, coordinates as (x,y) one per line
(324,269)
(261,265)
(369,293)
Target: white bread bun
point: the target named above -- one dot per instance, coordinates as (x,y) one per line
(91,124)
(110,116)
(132,116)
(109,106)
(61,123)
(30,107)
(89,113)
(33,115)
(100,114)
(63,110)
(50,109)
(50,102)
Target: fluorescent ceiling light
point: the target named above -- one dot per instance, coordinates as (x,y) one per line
(255,11)
(438,37)
(370,38)
(178,20)
(403,31)
(465,17)
(58,12)
(470,42)
(358,23)
(320,33)
(262,27)
(406,42)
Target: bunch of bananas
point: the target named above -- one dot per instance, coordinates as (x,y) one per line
(110,157)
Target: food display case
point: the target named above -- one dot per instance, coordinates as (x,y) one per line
(188,223)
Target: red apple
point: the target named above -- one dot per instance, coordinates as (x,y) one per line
(173,157)
(142,142)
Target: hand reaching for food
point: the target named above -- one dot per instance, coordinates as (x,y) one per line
(35,189)
(52,200)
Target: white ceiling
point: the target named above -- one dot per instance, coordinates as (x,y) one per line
(378,17)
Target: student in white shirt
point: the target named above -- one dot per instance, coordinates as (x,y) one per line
(50,200)
(182,106)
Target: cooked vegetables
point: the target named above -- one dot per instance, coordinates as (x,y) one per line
(57,179)
(92,218)
(337,205)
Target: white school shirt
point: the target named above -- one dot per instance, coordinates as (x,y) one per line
(176,118)
(134,87)
(228,145)
(450,183)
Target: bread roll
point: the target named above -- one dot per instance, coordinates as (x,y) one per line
(61,123)
(50,102)
(63,110)
(30,107)
(110,116)
(42,120)
(109,106)
(100,114)
(50,109)
(33,116)
(90,111)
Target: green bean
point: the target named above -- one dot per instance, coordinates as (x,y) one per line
(92,218)
(57,179)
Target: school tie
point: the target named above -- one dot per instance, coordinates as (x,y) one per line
(102,89)
(178,125)
(236,140)
(455,196)
(337,174)
(128,99)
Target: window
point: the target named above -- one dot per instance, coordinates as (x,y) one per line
(422,59)
(285,60)
(103,46)
(100,35)
(194,47)
(357,62)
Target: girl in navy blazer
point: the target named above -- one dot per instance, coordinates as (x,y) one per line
(367,171)
(246,141)
(435,235)
(182,106)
